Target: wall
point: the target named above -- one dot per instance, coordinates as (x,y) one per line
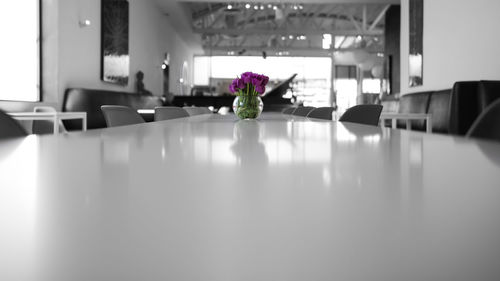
(460,42)
(71,54)
(150,37)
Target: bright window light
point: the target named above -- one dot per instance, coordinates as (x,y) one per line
(311,86)
(327,41)
(19,50)
(371,86)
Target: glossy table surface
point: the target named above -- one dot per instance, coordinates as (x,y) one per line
(212,198)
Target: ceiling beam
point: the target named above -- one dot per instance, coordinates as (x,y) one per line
(212,8)
(379,17)
(290,48)
(289,31)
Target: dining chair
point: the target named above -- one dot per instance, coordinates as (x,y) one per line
(486,126)
(191,110)
(117,115)
(45,126)
(303,110)
(321,113)
(367,114)
(10,128)
(289,110)
(169,112)
(205,110)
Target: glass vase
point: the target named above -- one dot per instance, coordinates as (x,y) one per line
(248,106)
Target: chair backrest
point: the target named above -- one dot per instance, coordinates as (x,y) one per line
(367,114)
(414,103)
(117,115)
(464,106)
(289,110)
(191,110)
(303,110)
(169,112)
(321,113)
(10,128)
(440,107)
(46,126)
(486,125)
(205,110)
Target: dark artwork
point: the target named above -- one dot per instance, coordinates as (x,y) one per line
(392,59)
(114,40)
(139,84)
(415,64)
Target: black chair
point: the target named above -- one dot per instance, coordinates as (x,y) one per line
(367,114)
(117,115)
(487,124)
(10,128)
(321,113)
(303,111)
(289,110)
(169,112)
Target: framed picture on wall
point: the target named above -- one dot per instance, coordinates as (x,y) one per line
(114,41)
(416,56)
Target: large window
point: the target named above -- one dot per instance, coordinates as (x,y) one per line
(311,86)
(20,50)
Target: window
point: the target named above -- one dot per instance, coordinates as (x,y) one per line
(20,50)
(312,85)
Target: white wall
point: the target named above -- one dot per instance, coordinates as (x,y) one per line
(461,42)
(71,54)
(150,37)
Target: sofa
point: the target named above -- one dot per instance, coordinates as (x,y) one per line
(90,101)
(453,110)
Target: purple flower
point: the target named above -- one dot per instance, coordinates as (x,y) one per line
(247,79)
(241,84)
(265,80)
(260,89)
(256,83)
(258,80)
(246,74)
(234,86)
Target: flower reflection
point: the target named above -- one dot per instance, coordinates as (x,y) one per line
(247,147)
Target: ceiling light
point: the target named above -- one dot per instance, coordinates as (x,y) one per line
(275,8)
(247,6)
(291,36)
(269,6)
(229,7)
(256,7)
(262,7)
(283,38)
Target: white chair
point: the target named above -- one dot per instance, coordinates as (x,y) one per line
(117,115)
(46,126)
(197,110)
(169,112)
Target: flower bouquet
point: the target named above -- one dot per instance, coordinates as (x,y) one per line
(248,89)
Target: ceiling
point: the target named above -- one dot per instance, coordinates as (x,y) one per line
(293,28)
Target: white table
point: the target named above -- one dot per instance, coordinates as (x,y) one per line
(408,117)
(56,117)
(209,198)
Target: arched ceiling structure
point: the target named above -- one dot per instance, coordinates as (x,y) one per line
(287,28)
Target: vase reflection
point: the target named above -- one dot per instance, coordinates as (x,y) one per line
(248,148)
